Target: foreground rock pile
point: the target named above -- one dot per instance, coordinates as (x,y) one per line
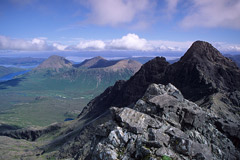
(162,124)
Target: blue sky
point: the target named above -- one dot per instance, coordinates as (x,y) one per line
(117,25)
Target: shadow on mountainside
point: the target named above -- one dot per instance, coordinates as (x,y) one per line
(11,83)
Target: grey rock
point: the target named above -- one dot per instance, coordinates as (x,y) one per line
(106,152)
(157,135)
(138,121)
(165,152)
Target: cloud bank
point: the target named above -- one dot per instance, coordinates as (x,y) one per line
(129,42)
(35,44)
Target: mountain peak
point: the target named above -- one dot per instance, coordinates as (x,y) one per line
(202,51)
(88,63)
(55,62)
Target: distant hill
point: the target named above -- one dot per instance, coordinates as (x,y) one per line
(88,63)
(55,63)
(97,72)
(8,70)
(26,61)
(141,60)
(144,60)
(132,65)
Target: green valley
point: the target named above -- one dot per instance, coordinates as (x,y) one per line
(57,90)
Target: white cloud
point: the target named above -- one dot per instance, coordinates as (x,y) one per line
(36,44)
(91,45)
(129,42)
(213,13)
(59,46)
(160,45)
(20,44)
(226,47)
(117,12)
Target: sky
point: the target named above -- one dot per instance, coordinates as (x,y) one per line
(80,27)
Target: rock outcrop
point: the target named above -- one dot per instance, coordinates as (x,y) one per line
(161,124)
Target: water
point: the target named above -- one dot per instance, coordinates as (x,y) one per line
(68,119)
(19,66)
(12,75)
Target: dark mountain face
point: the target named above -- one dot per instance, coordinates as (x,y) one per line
(201,72)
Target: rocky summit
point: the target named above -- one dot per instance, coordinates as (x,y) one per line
(162,124)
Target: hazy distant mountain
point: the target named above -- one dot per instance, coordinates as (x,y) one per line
(235,58)
(131,65)
(99,72)
(141,60)
(144,60)
(94,64)
(99,62)
(26,61)
(88,63)
(55,63)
